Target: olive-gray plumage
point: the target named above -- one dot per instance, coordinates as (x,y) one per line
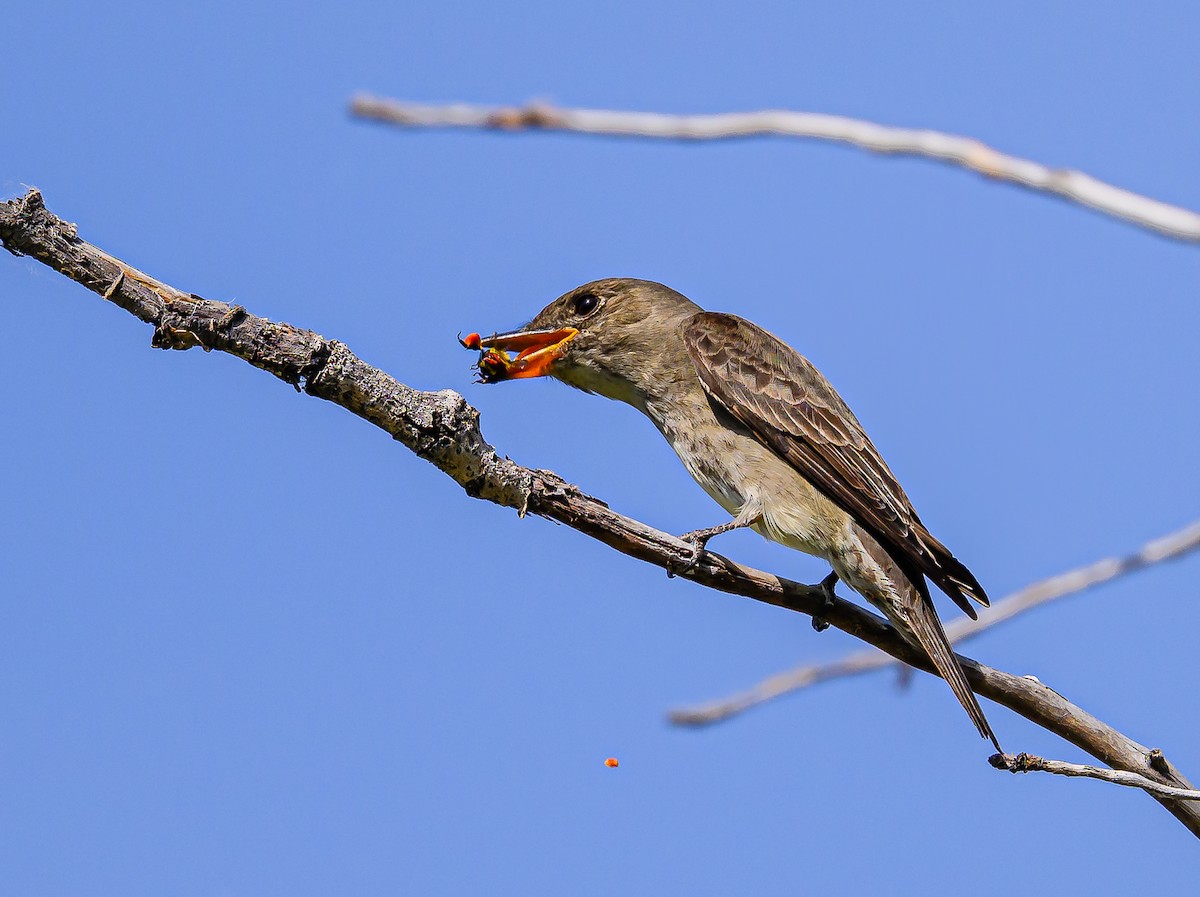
(767,436)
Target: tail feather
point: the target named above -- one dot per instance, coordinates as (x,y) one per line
(916,619)
(929,633)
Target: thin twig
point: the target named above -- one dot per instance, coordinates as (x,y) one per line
(1166,548)
(1015,763)
(966,152)
(444,430)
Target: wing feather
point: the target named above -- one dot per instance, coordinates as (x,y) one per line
(790,407)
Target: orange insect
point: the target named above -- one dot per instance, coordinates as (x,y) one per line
(493,364)
(536,351)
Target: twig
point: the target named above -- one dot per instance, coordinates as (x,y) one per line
(966,152)
(1168,547)
(443,429)
(1030,763)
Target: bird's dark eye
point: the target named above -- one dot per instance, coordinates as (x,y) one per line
(585,304)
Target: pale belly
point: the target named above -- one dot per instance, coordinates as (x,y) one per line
(747,479)
(743,475)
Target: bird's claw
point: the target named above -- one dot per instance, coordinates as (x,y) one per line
(819,623)
(697,539)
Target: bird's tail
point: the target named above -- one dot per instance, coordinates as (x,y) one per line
(932,638)
(917,620)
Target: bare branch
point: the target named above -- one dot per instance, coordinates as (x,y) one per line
(966,152)
(443,429)
(1166,548)
(1030,763)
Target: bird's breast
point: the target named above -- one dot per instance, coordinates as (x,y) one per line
(734,468)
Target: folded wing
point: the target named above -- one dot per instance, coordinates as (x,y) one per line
(790,407)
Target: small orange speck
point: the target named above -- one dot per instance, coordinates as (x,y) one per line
(612,762)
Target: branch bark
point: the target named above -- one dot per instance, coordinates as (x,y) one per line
(965,152)
(1031,763)
(1168,547)
(443,428)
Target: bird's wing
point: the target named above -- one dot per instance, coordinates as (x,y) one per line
(791,408)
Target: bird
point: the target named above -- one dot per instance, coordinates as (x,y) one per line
(764,433)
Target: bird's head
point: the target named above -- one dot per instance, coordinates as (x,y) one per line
(618,337)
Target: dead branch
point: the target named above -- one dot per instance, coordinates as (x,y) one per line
(966,152)
(1015,763)
(1168,547)
(443,429)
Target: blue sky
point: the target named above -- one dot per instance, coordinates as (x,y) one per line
(251,646)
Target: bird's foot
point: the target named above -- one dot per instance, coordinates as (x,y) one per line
(819,623)
(697,539)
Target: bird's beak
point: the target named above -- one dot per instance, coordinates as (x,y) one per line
(536,351)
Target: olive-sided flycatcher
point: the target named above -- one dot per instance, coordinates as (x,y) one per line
(763,432)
